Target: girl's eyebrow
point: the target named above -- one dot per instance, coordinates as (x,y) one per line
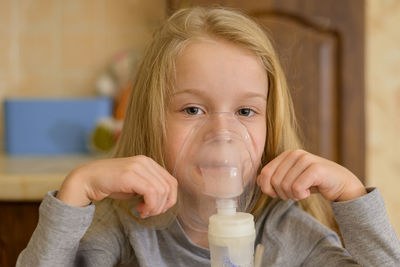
(255,95)
(188,91)
(191,91)
(202,94)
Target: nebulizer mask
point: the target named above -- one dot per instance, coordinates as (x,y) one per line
(216,170)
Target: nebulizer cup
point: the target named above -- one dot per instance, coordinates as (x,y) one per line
(216,174)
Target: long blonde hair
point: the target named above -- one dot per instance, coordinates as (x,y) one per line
(144,130)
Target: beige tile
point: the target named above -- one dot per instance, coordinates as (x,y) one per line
(78,15)
(37,52)
(5,15)
(394,214)
(376,8)
(397,99)
(155,14)
(5,50)
(81,51)
(124,14)
(65,84)
(136,40)
(37,15)
(5,82)
(383,101)
(35,85)
(77,83)
(4,85)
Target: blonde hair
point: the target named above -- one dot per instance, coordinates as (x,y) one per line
(144,130)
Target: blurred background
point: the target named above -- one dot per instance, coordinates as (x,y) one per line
(80,49)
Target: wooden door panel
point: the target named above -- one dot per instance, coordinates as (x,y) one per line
(308,56)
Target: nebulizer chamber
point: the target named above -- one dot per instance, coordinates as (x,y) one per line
(217,177)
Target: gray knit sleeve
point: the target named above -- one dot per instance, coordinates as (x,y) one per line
(367,233)
(56,240)
(368,236)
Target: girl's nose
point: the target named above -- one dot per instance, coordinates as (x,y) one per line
(220,126)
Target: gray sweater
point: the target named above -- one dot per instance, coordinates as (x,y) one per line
(73,236)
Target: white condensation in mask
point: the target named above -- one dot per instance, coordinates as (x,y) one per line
(215,162)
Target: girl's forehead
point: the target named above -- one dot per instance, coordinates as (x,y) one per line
(203,46)
(219,64)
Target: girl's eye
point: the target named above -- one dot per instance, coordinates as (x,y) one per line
(193,111)
(246,112)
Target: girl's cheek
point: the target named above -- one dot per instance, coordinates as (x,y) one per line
(174,143)
(258,136)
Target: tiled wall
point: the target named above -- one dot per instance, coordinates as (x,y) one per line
(383,102)
(58,47)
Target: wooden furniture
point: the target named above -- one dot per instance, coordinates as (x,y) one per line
(321,47)
(18,220)
(24,182)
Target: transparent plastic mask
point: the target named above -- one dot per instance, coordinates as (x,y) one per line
(216,162)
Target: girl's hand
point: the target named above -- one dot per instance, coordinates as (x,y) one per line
(121,178)
(295,174)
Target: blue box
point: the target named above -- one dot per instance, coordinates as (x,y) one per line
(51,126)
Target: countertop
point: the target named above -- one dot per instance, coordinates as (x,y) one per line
(30,178)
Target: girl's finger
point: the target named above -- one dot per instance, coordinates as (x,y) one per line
(171,181)
(152,173)
(123,195)
(154,194)
(281,185)
(271,166)
(264,179)
(308,179)
(143,187)
(300,165)
(265,185)
(163,186)
(172,197)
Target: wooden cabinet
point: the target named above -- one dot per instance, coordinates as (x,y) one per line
(24,181)
(321,47)
(18,220)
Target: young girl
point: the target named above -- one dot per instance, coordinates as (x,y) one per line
(204,61)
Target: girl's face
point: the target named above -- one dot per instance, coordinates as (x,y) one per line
(216,76)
